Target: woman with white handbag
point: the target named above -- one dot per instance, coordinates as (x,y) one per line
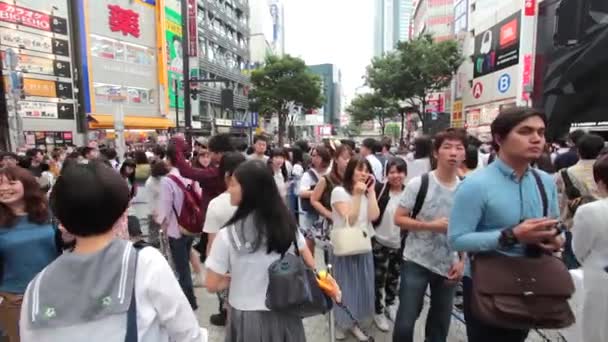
(354,207)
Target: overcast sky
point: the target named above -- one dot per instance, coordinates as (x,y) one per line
(332,31)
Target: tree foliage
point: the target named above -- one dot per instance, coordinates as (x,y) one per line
(413,70)
(282,84)
(372,106)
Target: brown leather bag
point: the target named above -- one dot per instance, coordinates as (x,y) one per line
(522,292)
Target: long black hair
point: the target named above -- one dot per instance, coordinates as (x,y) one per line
(354,163)
(260,197)
(131,177)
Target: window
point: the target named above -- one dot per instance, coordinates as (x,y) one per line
(105,48)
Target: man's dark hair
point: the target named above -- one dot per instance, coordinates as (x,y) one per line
(303,145)
(600,170)
(9,154)
(260,137)
(230,161)
(220,143)
(86,150)
(349,143)
(589,146)
(370,143)
(109,153)
(399,163)
(31,153)
(422,147)
(386,143)
(171,154)
(509,118)
(140,157)
(449,134)
(159,169)
(471,160)
(159,151)
(574,136)
(88,199)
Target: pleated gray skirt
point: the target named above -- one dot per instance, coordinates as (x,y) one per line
(264,326)
(355,275)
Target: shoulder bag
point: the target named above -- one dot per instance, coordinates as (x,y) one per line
(293,288)
(522,292)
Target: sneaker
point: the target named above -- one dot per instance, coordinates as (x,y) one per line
(381,322)
(360,335)
(391,312)
(219,319)
(340,335)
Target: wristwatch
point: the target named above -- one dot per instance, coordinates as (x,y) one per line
(507,238)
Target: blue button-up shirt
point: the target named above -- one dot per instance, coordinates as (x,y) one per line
(492,199)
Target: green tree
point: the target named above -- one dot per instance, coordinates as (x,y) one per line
(393,130)
(282,84)
(372,106)
(414,70)
(351,130)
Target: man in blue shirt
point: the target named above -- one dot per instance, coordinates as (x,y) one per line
(499,208)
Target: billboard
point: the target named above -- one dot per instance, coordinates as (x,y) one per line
(497,48)
(173,36)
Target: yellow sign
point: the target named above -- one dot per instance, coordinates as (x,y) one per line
(33,87)
(457,111)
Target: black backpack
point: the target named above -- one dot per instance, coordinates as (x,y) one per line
(305,202)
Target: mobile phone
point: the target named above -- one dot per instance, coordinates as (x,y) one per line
(369,181)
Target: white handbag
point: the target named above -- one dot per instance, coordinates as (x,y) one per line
(350,240)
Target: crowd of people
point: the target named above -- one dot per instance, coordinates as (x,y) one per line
(449,216)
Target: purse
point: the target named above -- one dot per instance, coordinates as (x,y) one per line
(522,292)
(293,288)
(350,240)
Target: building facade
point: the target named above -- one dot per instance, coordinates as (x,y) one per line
(261,28)
(434,17)
(392,21)
(498,71)
(38,64)
(223,52)
(331,90)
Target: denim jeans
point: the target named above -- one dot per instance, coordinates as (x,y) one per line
(414,282)
(478,331)
(180,251)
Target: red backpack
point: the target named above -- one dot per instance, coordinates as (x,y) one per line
(191,216)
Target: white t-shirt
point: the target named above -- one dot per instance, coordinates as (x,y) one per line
(376,167)
(219,212)
(254,156)
(339,194)
(388,233)
(430,249)
(281,183)
(248,271)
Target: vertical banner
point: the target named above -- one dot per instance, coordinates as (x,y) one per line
(192,28)
(173,36)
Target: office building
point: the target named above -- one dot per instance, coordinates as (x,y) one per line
(392,20)
(223,52)
(434,17)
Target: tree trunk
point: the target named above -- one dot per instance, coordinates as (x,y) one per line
(282,119)
(402,114)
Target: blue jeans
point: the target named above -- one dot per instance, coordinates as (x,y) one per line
(180,251)
(414,281)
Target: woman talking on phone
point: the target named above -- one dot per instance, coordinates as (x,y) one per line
(354,205)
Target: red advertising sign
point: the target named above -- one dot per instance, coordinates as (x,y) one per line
(477,90)
(123,20)
(530,8)
(192,29)
(509,33)
(527,76)
(24,16)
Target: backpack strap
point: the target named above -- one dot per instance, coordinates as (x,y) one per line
(424,188)
(131,335)
(313,175)
(543,192)
(572,191)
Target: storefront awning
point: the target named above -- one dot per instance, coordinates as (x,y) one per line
(98,121)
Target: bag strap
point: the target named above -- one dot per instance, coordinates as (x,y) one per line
(543,192)
(131,335)
(424,188)
(572,191)
(178,182)
(313,175)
